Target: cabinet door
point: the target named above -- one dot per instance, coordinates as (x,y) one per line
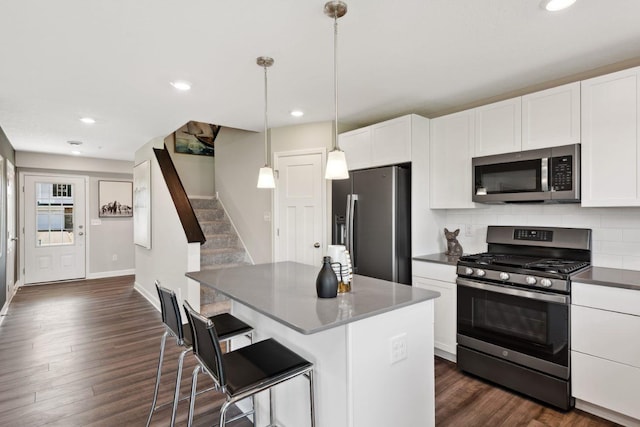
(450,164)
(605,383)
(391,141)
(357,148)
(610,158)
(551,118)
(498,127)
(445,312)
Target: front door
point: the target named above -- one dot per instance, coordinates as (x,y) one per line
(11,227)
(300,208)
(54,228)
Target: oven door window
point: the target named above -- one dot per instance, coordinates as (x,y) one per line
(513,177)
(537,328)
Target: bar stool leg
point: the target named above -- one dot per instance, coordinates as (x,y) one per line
(312,399)
(155,392)
(176,394)
(194,386)
(272,407)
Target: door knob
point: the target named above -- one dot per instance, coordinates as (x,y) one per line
(81,234)
(316,245)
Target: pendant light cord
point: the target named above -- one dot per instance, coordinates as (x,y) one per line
(266,128)
(336,145)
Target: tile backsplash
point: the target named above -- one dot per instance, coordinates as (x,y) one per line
(616,231)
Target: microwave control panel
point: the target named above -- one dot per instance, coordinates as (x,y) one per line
(562,173)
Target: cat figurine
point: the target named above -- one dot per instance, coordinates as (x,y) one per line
(453,246)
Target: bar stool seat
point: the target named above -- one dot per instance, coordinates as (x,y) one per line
(230,327)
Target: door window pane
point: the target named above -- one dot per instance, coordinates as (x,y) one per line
(55,212)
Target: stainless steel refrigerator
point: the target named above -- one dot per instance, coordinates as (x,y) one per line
(371,214)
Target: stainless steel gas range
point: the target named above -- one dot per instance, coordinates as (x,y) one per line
(513,309)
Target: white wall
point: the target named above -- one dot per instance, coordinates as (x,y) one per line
(197,173)
(616,231)
(113,236)
(170,256)
(239,155)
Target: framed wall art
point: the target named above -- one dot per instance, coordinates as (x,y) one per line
(196,138)
(115,199)
(142,204)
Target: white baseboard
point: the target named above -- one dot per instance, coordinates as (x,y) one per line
(113,273)
(607,414)
(5,307)
(147,295)
(445,355)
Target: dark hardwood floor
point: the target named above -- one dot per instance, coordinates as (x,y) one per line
(85,353)
(464,400)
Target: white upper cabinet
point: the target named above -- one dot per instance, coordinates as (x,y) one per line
(610,139)
(357,147)
(381,144)
(551,117)
(451,149)
(498,127)
(391,141)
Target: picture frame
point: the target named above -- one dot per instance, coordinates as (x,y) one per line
(142,204)
(196,138)
(115,199)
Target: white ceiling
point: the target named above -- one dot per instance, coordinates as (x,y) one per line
(113,60)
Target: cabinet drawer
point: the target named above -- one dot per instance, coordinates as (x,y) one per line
(606,334)
(431,270)
(606,298)
(604,383)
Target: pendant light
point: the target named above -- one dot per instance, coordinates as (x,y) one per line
(336,161)
(265,176)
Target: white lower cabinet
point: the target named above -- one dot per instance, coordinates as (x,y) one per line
(605,350)
(440,278)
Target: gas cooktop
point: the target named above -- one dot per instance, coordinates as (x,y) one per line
(548,265)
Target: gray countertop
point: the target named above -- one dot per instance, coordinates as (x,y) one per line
(439,258)
(286,292)
(615,277)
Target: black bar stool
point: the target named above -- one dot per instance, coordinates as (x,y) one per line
(229,325)
(243,372)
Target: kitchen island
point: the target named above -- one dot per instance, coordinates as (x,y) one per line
(372,348)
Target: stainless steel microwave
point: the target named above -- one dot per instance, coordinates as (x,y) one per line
(547,175)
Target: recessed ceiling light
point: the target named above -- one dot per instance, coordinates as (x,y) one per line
(556,5)
(297,113)
(76,152)
(181,85)
(88,120)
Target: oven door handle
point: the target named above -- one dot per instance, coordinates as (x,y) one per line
(541,296)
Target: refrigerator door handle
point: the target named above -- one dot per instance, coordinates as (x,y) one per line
(347,224)
(351,209)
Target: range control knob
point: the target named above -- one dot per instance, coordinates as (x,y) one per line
(530,280)
(480,273)
(546,283)
(504,276)
(468,271)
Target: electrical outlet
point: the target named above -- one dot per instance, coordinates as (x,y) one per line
(468,230)
(398,348)
(114,257)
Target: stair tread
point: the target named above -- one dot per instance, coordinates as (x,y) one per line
(221,250)
(219,266)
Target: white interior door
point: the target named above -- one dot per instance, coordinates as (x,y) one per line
(54,231)
(300,208)
(11,227)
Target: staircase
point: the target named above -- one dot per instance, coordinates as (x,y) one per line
(222,249)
